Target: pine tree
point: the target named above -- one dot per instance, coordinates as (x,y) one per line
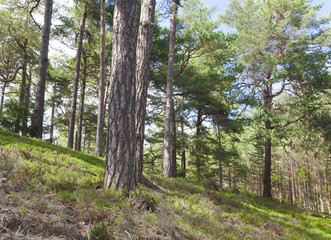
(120,154)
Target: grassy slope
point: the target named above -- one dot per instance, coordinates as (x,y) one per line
(51,192)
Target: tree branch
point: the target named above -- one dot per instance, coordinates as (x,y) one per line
(32,9)
(290,122)
(280,91)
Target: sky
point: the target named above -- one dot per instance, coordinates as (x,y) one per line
(222,4)
(219,5)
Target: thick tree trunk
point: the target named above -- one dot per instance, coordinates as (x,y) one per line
(38,110)
(144,49)
(100,121)
(79,129)
(76,80)
(120,154)
(167,159)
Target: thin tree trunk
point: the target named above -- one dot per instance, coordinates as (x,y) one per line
(167,159)
(38,110)
(51,134)
(229,177)
(2,98)
(27,101)
(267,99)
(267,166)
(260,182)
(21,114)
(79,129)
(220,157)
(106,95)
(183,162)
(120,154)
(100,121)
(198,143)
(290,185)
(328,194)
(183,158)
(76,80)
(144,49)
(174,145)
(85,136)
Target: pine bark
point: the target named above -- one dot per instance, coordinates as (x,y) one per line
(144,49)
(100,121)
(38,110)
(120,154)
(71,128)
(167,159)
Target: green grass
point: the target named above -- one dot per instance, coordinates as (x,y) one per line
(161,208)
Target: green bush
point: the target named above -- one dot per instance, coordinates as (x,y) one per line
(101,232)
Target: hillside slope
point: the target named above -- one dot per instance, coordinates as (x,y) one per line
(51,192)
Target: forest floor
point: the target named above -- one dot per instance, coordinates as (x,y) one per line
(51,192)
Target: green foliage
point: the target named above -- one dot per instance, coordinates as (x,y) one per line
(101,232)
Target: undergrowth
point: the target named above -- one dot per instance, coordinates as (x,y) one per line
(160,209)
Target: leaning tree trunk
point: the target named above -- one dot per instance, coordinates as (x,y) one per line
(38,110)
(100,121)
(144,49)
(78,143)
(167,159)
(120,154)
(76,80)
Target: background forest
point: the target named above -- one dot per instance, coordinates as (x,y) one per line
(249,107)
